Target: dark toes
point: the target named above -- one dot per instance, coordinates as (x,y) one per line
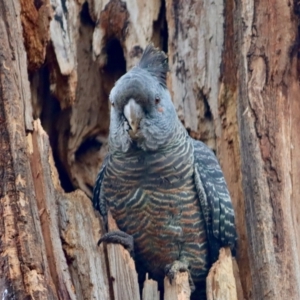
(169,272)
(178,266)
(167,268)
(118,237)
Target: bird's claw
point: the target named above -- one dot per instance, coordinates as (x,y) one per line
(178,266)
(118,237)
(173,268)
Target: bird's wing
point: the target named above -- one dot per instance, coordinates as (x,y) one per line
(214,199)
(97,202)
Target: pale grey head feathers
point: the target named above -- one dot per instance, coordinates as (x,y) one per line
(142,113)
(156,63)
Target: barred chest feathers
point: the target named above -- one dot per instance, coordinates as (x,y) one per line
(153,198)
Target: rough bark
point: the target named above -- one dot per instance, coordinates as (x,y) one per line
(268,115)
(234,79)
(24,267)
(203,83)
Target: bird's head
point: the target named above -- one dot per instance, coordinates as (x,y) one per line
(142,112)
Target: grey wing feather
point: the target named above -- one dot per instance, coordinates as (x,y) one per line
(214,199)
(97,203)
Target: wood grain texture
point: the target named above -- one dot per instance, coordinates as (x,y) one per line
(267,115)
(92,45)
(238,283)
(14,55)
(46,197)
(24,267)
(179,289)
(63,34)
(77,265)
(150,289)
(195,51)
(79,229)
(220,282)
(33,263)
(35,18)
(235,84)
(228,146)
(203,84)
(122,273)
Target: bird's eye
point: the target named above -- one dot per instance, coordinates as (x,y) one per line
(157,99)
(112,103)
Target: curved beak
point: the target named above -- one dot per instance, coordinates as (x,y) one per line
(133,112)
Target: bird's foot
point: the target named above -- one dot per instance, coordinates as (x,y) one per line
(179,266)
(118,237)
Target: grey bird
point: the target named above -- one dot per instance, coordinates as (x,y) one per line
(165,190)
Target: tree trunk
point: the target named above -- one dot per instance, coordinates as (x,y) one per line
(269,115)
(234,80)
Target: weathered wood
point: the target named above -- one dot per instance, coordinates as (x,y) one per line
(33,263)
(203,84)
(63,34)
(25,271)
(220,282)
(268,116)
(14,55)
(76,261)
(46,199)
(179,289)
(235,83)
(79,229)
(122,273)
(35,18)
(238,283)
(150,289)
(228,148)
(121,20)
(92,48)
(195,52)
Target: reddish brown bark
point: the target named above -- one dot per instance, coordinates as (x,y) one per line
(267,111)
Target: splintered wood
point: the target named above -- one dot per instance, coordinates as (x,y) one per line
(122,275)
(179,289)
(220,282)
(150,289)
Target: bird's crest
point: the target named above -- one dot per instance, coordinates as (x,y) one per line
(156,63)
